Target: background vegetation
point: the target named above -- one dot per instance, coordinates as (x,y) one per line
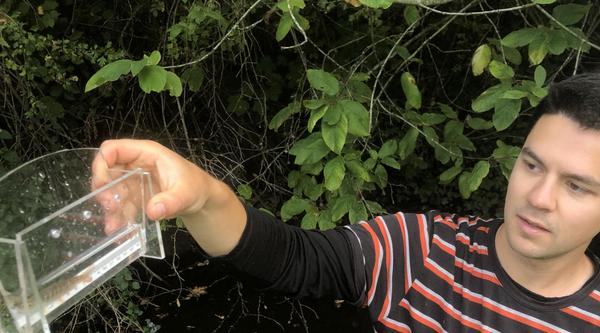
(323,112)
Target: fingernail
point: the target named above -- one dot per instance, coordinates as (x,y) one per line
(160,209)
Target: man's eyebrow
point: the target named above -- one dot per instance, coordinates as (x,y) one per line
(591,181)
(532,155)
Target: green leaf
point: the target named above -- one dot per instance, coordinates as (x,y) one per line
(388,148)
(478,123)
(359,76)
(520,37)
(441,153)
(312,169)
(153,59)
(152,78)
(488,98)
(381,176)
(481,59)
(447,111)
(411,91)
(506,156)
(480,171)
(402,52)
(570,13)
(293,178)
(334,173)
(359,91)
(391,162)
(138,65)
(110,72)
(314,190)
(540,75)
(333,114)
(193,77)
(538,49)
(245,191)
(407,145)
(323,81)
(514,94)
(357,212)
(283,5)
(315,115)
(5,135)
(358,170)
(313,104)
(293,207)
(383,4)
(512,55)
(452,129)
(283,115)
(544,2)
(309,221)
(431,136)
(340,207)
(500,70)
(505,113)
(430,119)
(309,150)
(358,117)
(558,41)
(447,176)
(173,84)
(335,135)
(411,14)
(283,28)
(468,182)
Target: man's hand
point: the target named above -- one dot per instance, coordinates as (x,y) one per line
(210,210)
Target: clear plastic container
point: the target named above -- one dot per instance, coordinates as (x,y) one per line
(64,230)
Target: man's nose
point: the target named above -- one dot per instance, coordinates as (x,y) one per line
(543,194)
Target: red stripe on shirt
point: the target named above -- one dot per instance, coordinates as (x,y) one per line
(402,224)
(388,254)
(595,295)
(448,223)
(484,229)
(417,316)
(476,273)
(375,272)
(449,310)
(436,240)
(423,235)
(573,312)
(518,318)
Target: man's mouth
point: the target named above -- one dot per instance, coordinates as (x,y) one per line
(531,225)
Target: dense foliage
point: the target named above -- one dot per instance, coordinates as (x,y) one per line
(324,112)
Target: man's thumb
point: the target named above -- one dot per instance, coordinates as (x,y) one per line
(163,205)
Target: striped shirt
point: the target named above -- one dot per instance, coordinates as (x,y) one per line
(440,273)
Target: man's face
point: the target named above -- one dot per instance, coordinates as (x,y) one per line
(552,207)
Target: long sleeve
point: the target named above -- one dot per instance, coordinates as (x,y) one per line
(300,262)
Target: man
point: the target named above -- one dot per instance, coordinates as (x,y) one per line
(434,272)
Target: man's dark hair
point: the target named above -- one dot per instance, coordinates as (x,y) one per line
(577,98)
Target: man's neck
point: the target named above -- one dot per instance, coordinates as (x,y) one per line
(555,277)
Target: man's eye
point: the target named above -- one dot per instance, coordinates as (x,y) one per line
(576,188)
(530,166)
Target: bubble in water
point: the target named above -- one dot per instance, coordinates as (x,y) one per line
(86,214)
(21,211)
(67,184)
(55,233)
(69,254)
(42,175)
